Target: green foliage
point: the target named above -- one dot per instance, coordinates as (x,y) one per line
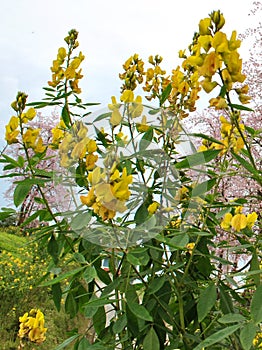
(155,214)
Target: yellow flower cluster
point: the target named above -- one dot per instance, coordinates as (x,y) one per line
(133,73)
(70,71)
(238,221)
(17,125)
(156,82)
(230,136)
(20,274)
(257,341)
(134,109)
(58,133)
(76,145)
(184,93)
(213,53)
(32,326)
(108,192)
(32,140)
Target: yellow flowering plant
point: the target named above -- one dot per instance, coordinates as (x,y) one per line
(144,200)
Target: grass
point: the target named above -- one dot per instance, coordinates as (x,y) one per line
(20,266)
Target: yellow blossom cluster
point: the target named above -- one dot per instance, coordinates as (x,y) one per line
(108,192)
(257,341)
(231,137)
(58,133)
(17,126)
(133,73)
(20,274)
(65,68)
(76,145)
(156,82)
(213,53)
(32,326)
(238,220)
(184,93)
(134,109)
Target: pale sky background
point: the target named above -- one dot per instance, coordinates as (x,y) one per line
(109,32)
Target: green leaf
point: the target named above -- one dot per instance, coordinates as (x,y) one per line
(151,341)
(241,107)
(57,295)
(226,304)
(67,342)
(165,94)
(102,116)
(156,284)
(89,274)
(254,266)
(120,324)
(207,300)
(179,241)
(78,257)
(246,165)
(20,193)
(206,137)
(99,320)
(217,337)
(197,159)
(95,302)
(71,305)
(231,318)
(256,305)
(247,334)
(80,221)
(53,248)
(66,116)
(153,111)
(83,344)
(63,276)
(140,311)
(6,213)
(223,91)
(146,139)
(203,187)
(138,256)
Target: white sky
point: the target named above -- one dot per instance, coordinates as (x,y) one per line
(109,32)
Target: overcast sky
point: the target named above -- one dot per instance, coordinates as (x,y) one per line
(109,32)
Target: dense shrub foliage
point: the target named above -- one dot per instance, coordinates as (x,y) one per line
(142,245)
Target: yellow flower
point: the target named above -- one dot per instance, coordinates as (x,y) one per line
(218,102)
(136,107)
(190,247)
(90,199)
(11,130)
(226,222)
(251,219)
(32,326)
(115,118)
(239,222)
(142,127)
(152,208)
(39,147)
(90,161)
(220,43)
(127,96)
(91,146)
(218,18)
(210,65)
(208,85)
(204,25)
(61,54)
(30,137)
